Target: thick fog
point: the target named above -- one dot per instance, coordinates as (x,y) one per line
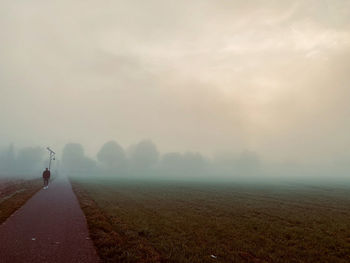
(222,88)
(28,161)
(144,161)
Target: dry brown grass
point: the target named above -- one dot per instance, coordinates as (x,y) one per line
(14,194)
(174,222)
(113,245)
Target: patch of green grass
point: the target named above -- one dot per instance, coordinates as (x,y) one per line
(175,222)
(14,194)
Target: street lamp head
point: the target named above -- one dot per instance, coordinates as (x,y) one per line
(51,151)
(51,157)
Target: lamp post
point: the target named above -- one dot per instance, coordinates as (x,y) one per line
(52,156)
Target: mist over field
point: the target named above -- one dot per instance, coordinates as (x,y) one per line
(222,89)
(144,161)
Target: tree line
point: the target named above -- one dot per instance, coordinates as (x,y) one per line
(142,159)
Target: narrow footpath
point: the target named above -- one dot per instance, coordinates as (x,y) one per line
(50,227)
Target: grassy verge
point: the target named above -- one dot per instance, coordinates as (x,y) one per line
(14,194)
(114,244)
(174,222)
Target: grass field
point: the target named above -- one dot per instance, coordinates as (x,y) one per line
(14,193)
(188,222)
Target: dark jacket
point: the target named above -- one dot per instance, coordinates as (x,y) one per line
(46,174)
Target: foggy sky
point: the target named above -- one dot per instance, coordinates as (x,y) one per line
(271,77)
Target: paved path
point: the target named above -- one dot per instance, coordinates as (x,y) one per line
(50,227)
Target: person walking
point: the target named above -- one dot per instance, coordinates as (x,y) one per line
(46,177)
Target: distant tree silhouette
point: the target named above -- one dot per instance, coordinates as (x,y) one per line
(74,159)
(112,156)
(143,155)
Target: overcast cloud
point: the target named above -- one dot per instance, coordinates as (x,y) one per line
(270,77)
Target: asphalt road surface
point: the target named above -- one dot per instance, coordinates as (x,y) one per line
(50,227)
